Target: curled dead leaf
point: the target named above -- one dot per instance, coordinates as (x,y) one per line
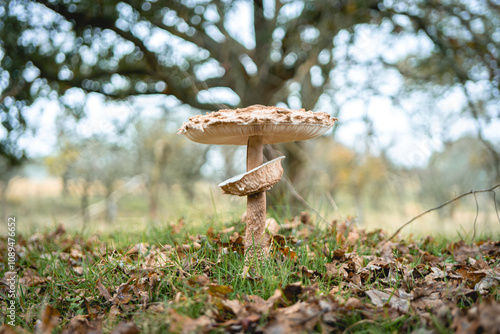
(48,320)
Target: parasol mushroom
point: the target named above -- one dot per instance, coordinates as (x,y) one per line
(255,126)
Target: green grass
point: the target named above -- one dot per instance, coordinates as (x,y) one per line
(69,266)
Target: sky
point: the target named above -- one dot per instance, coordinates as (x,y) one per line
(394,129)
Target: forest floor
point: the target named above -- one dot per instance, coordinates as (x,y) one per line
(327,280)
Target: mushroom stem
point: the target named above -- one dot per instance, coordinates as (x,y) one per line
(255,152)
(256,205)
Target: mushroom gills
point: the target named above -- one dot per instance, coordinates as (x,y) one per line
(259,179)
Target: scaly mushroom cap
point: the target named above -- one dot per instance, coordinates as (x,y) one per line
(259,179)
(276,125)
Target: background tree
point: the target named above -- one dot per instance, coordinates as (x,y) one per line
(291,53)
(8,169)
(165,159)
(460,165)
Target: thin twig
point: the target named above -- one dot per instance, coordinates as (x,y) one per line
(334,205)
(475,218)
(441,206)
(296,194)
(496,207)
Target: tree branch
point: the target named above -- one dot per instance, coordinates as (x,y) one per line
(472,192)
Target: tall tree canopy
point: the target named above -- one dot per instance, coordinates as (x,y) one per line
(265,52)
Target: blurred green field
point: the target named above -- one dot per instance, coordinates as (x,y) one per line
(39,206)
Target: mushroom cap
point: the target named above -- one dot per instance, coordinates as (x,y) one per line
(276,125)
(259,179)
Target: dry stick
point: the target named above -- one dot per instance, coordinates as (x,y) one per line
(296,194)
(475,219)
(496,207)
(440,206)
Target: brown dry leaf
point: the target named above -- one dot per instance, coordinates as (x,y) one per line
(483,317)
(102,290)
(272,226)
(347,233)
(490,248)
(126,327)
(461,251)
(140,248)
(380,298)
(305,218)
(288,252)
(122,295)
(210,233)
(486,284)
(386,249)
(353,303)
(312,274)
(234,306)
(81,325)
(292,291)
(436,274)
(291,225)
(176,228)
(157,259)
(78,270)
(219,290)
(297,318)
(48,320)
(338,254)
(198,280)
(76,253)
(156,308)
(279,240)
(260,306)
(114,311)
(185,325)
(7,329)
(31,278)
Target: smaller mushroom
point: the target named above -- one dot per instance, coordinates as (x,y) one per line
(259,179)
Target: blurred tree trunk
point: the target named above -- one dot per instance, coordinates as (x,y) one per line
(85,203)
(3,199)
(8,171)
(65,178)
(161,149)
(111,208)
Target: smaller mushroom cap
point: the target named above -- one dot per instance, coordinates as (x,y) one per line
(259,179)
(275,125)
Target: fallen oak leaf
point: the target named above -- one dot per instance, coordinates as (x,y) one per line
(126,327)
(48,320)
(486,284)
(183,324)
(234,306)
(8,329)
(140,249)
(292,291)
(380,298)
(198,280)
(219,290)
(80,325)
(353,303)
(31,278)
(102,290)
(156,308)
(483,317)
(122,295)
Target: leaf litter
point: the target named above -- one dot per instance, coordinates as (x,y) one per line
(341,279)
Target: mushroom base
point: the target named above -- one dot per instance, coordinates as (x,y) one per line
(255,250)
